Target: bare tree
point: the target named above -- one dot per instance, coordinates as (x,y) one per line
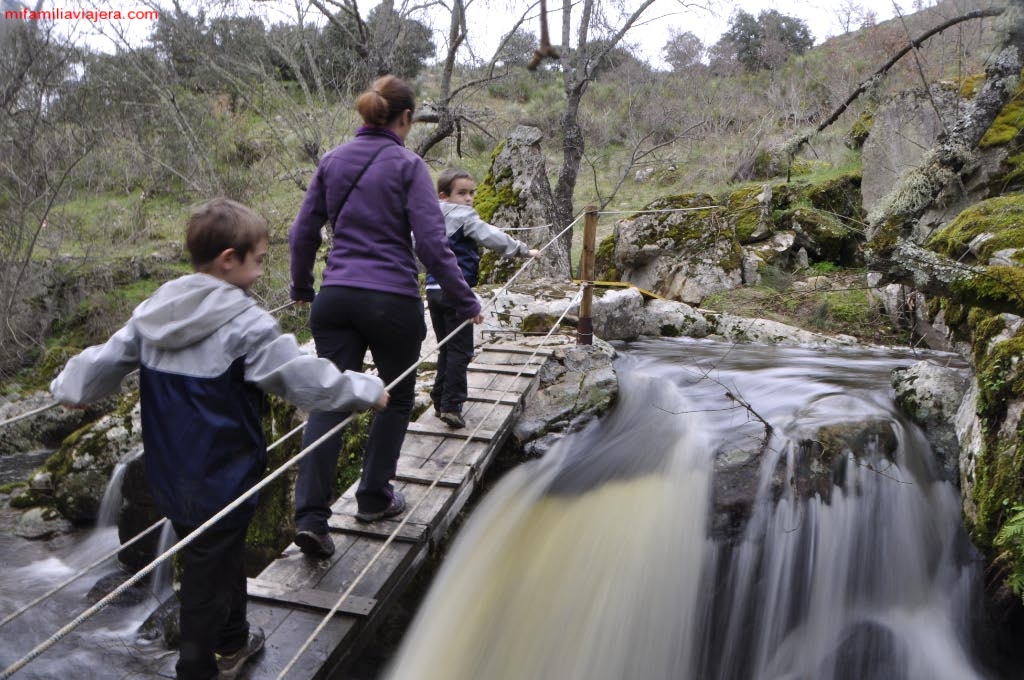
(41,142)
(596,35)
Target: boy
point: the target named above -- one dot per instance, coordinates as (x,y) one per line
(466,232)
(206,354)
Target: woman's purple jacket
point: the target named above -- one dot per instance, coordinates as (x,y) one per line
(392,206)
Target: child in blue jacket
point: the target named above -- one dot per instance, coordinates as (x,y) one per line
(206,354)
(466,233)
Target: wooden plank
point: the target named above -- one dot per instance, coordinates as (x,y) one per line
(623,284)
(409,533)
(463,452)
(287,629)
(524,371)
(304,597)
(453,477)
(293,569)
(516,349)
(445,431)
(385,568)
(496,358)
(491,396)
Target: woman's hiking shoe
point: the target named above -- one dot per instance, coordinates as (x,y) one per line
(230,665)
(395,507)
(452,419)
(314,544)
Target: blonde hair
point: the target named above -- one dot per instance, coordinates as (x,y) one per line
(385,101)
(220,224)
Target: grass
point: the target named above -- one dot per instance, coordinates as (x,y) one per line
(843,307)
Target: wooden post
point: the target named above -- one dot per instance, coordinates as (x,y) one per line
(585,329)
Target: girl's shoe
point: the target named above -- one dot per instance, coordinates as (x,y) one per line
(395,507)
(452,419)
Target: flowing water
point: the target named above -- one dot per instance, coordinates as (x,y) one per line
(106,646)
(600,560)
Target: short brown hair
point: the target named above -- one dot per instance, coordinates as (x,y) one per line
(385,101)
(219,224)
(447,178)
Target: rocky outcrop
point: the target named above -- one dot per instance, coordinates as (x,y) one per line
(932,395)
(515,194)
(74,479)
(576,385)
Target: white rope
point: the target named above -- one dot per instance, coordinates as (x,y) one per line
(182,543)
(541,226)
(28,414)
(82,572)
(54,404)
(409,513)
(662,210)
(160,559)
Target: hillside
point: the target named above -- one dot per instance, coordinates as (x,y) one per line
(129,146)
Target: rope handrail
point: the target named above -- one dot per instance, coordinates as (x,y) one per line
(182,543)
(54,404)
(82,572)
(409,513)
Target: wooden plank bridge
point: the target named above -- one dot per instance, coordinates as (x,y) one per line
(290,598)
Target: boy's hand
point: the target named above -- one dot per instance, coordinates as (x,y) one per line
(478,319)
(534,253)
(381,403)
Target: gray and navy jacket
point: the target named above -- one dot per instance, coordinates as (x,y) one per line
(392,206)
(206,354)
(466,233)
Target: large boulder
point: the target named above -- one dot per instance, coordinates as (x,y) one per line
(684,248)
(515,195)
(74,479)
(576,385)
(931,394)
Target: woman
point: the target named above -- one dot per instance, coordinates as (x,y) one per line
(379,199)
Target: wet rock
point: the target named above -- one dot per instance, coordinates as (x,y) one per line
(931,395)
(577,384)
(41,523)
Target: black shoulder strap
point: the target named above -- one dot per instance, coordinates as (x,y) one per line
(358,177)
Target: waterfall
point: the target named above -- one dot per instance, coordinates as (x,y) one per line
(600,561)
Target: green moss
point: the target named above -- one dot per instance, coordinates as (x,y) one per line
(1008,123)
(860,130)
(745,210)
(604,260)
(11,487)
(30,499)
(1002,218)
(998,287)
(350,461)
(538,323)
(272,528)
(971,84)
(495,190)
(839,195)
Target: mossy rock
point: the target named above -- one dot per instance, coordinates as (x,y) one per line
(1002,218)
(1008,124)
(860,130)
(826,238)
(604,260)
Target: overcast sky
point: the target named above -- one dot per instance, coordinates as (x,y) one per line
(651,34)
(491,19)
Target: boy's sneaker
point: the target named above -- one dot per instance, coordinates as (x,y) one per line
(312,543)
(452,419)
(230,665)
(395,507)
